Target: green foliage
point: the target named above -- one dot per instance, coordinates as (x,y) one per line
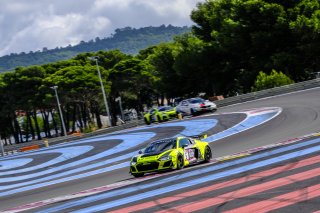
(24,122)
(253,35)
(275,79)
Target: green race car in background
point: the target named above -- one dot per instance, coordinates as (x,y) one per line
(171,153)
(160,114)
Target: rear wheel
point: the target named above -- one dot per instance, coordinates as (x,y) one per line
(192,112)
(207,154)
(180,163)
(146,121)
(159,118)
(137,174)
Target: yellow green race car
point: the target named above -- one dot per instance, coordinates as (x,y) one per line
(160,114)
(170,153)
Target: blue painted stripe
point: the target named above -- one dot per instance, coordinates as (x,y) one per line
(14,163)
(66,154)
(196,173)
(197,181)
(99,171)
(248,123)
(129,141)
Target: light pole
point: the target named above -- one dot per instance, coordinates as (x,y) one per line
(60,111)
(120,104)
(103,91)
(2,149)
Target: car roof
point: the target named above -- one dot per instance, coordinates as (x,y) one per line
(165,140)
(190,99)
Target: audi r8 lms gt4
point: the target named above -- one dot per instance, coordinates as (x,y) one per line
(170,153)
(160,114)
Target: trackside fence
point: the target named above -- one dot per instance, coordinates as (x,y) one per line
(269,92)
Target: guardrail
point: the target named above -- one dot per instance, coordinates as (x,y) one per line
(269,92)
(220,103)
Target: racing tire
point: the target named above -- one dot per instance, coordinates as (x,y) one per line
(146,121)
(138,174)
(159,119)
(207,154)
(180,163)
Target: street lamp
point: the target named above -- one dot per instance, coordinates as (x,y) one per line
(103,91)
(2,149)
(60,111)
(120,104)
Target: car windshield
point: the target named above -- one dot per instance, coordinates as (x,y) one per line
(161,109)
(166,108)
(152,111)
(198,100)
(160,146)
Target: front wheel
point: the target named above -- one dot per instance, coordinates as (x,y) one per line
(213,110)
(207,154)
(180,163)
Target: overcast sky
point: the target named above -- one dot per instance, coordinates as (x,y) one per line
(30,25)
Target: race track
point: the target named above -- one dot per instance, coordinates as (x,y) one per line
(103,160)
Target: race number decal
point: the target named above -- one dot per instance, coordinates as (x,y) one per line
(189,154)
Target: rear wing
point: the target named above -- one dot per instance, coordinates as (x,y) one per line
(199,137)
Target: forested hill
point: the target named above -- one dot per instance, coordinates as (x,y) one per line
(127,40)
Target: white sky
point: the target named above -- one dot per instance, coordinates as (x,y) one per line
(30,25)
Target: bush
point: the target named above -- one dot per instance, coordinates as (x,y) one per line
(275,79)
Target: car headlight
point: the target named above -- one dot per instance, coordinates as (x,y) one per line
(165,157)
(134,161)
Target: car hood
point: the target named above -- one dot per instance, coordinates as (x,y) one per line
(151,154)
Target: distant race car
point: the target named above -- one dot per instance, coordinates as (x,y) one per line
(160,114)
(170,153)
(195,106)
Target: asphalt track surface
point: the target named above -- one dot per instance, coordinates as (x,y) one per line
(281,179)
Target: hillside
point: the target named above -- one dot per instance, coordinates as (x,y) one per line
(128,40)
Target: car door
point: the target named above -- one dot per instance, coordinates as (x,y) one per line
(189,150)
(183,107)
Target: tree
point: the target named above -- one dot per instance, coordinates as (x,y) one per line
(254,35)
(78,89)
(132,79)
(275,79)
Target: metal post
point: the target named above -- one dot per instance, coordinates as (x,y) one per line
(2,149)
(46,143)
(103,92)
(60,111)
(120,104)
